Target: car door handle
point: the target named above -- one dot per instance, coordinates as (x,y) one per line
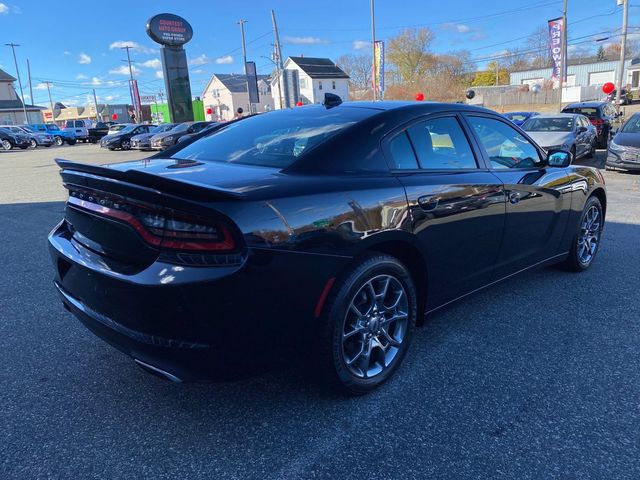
(428,202)
(514,197)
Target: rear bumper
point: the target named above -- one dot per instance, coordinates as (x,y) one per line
(191,321)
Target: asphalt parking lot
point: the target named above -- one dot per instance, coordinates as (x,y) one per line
(535,378)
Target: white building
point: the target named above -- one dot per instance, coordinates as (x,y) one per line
(311,78)
(226,92)
(11,110)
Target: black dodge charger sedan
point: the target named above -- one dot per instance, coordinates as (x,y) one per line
(335,226)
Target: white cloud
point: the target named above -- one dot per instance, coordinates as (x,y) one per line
(304,40)
(199,60)
(81,76)
(361,44)
(124,70)
(67,53)
(95,81)
(198,71)
(41,86)
(159,74)
(135,46)
(3,9)
(153,63)
(226,60)
(457,27)
(84,59)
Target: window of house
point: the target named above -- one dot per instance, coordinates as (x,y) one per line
(303,82)
(333,84)
(319,85)
(441,144)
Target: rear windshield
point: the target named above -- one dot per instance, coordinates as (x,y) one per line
(275,139)
(517,117)
(589,112)
(548,125)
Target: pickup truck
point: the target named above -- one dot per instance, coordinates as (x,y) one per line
(59,136)
(100,130)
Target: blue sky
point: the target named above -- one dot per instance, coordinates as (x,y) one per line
(75,44)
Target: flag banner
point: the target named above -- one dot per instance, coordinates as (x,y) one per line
(135,95)
(378,71)
(556,32)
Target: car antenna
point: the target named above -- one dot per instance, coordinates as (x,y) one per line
(331,100)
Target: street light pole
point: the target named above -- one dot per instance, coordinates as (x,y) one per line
(282,84)
(15,61)
(373,52)
(623,48)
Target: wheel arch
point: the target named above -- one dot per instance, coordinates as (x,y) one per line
(602,196)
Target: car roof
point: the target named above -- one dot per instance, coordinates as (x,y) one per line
(518,113)
(559,115)
(586,104)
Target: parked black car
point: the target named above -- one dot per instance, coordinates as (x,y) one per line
(165,140)
(100,130)
(334,227)
(9,140)
(188,136)
(624,148)
(602,115)
(143,140)
(122,139)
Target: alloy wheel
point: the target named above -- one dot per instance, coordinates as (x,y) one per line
(59,141)
(125,145)
(589,238)
(34,144)
(6,145)
(375,326)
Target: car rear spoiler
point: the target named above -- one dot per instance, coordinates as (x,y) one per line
(149,180)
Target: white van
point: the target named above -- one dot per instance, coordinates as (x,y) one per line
(80,128)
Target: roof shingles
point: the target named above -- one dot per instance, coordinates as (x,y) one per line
(319,67)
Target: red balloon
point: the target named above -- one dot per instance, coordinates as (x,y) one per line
(608,88)
(420,96)
(209,110)
(114,116)
(299,104)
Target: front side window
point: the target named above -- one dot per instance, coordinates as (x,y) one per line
(69,124)
(504,145)
(441,144)
(79,124)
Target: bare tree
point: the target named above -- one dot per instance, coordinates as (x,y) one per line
(409,52)
(358,67)
(538,44)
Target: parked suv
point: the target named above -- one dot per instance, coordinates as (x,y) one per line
(602,115)
(162,141)
(80,128)
(59,136)
(9,140)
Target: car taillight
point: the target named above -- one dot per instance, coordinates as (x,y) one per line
(598,122)
(158,227)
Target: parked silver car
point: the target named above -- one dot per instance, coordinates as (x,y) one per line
(564,131)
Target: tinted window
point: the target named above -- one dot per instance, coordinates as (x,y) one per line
(590,112)
(505,147)
(402,153)
(633,125)
(441,144)
(274,139)
(79,124)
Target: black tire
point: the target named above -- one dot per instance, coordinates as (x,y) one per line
(373,328)
(576,262)
(71,142)
(34,143)
(59,141)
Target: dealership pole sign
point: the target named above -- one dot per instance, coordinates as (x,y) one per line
(172,32)
(556,33)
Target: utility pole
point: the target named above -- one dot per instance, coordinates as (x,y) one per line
(15,61)
(30,85)
(623,48)
(563,56)
(95,102)
(282,84)
(497,73)
(161,96)
(373,52)
(53,117)
(244,61)
(133,102)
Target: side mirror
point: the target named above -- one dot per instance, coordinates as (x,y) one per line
(559,158)
(582,129)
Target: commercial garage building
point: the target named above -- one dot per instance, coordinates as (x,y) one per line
(584,74)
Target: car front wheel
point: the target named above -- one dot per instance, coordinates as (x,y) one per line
(34,143)
(587,242)
(59,141)
(369,324)
(125,145)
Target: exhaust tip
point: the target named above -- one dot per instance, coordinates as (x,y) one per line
(157,371)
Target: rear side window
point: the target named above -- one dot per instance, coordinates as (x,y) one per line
(275,139)
(441,144)
(69,124)
(79,124)
(402,153)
